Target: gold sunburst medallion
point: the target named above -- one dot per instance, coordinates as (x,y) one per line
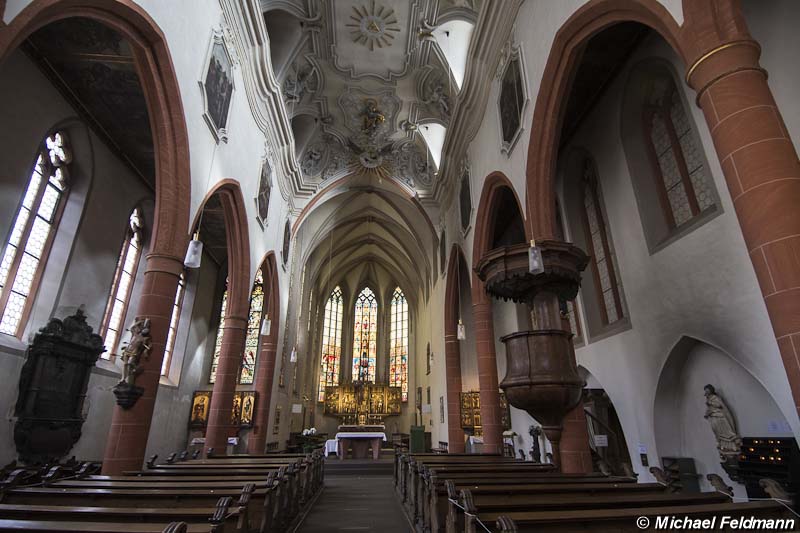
(373,26)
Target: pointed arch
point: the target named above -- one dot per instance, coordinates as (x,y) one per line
(452,352)
(562,64)
(162,94)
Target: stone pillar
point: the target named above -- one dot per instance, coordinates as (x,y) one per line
(452,356)
(487,370)
(127,436)
(230,359)
(265,373)
(761,168)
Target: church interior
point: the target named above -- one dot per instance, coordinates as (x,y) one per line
(399,265)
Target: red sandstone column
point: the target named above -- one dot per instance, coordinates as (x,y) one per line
(265,373)
(230,358)
(487,370)
(761,168)
(452,355)
(127,437)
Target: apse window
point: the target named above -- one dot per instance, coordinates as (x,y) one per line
(121,288)
(398,343)
(512,101)
(32,233)
(365,336)
(331,356)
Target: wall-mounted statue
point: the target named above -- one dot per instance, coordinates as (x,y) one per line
(723,425)
(137,349)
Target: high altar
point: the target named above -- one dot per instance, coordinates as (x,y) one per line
(362,408)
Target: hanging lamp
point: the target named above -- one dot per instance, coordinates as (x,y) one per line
(194,253)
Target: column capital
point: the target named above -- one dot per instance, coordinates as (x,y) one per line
(722,60)
(235,322)
(166,263)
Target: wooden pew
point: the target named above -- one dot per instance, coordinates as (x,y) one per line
(260,508)
(622,520)
(491,506)
(441,511)
(222,518)
(41,526)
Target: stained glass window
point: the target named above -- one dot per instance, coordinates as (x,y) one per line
(32,232)
(365,336)
(682,178)
(173,325)
(603,267)
(398,343)
(220,331)
(125,274)
(331,343)
(248,367)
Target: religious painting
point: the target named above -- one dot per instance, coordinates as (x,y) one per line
(471,411)
(465,202)
(248,403)
(264,192)
(201,402)
(217,86)
(428,359)
(236,410)
(512,102)
(287,239)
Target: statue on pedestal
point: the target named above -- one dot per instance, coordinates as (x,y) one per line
(719,416)
(139,347)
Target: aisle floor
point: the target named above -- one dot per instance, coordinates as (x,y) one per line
(356,504)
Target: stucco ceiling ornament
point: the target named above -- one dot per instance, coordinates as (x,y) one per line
(434,94)
(373,26)
(302,80)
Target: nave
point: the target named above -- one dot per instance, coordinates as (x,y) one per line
(541,256)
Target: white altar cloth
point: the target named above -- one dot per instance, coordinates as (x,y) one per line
(360,435)
(330,446)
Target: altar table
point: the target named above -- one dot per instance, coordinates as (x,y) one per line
(359,441)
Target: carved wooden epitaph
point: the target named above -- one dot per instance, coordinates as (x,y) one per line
(52,388)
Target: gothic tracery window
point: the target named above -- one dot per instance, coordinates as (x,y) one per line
(248,366)
(220,332)
(599,248)
(122,286)
(398,343)
(683,182)
(331,357)
(177,304)
(32,233)
(365,333)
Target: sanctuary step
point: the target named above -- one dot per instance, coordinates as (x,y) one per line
(359,467)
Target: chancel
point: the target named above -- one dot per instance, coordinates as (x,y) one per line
(399,265)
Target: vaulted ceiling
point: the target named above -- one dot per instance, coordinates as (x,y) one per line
(365,81)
